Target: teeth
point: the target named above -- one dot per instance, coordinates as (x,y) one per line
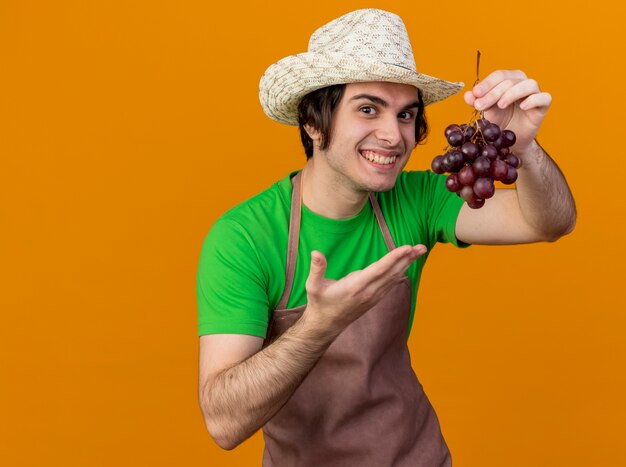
(378,159)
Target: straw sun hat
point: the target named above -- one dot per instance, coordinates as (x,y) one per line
(364,45)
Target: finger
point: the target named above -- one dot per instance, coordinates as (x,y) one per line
(469,98)
(495,78)
(400,266)
(317,270)
(494,95)
(534,101)
(394,263)
(521,90)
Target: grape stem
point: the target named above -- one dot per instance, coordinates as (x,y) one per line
(477,67)
(482,113)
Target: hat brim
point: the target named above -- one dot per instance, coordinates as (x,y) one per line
(285,83)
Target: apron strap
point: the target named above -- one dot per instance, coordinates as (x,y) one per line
(382,224)
(294,237)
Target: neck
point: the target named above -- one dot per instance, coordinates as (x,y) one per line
(327,193)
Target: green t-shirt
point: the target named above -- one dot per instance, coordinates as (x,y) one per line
(241,274)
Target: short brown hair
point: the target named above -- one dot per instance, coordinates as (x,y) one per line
(318,108)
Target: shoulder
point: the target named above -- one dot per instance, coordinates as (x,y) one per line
(241,267)
(252,230)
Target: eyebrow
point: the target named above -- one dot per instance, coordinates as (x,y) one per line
(382,102)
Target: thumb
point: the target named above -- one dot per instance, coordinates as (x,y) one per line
(318,268)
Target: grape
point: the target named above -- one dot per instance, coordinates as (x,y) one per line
(512,160)
(497,143)
(451,128)
(508,138)
(467,193)
(470,151)
(491,132)
(477,154)
(446,163)
(469,131)
(453,184)
(490,152)
(511,175)
(454,160)
(499,169)
(467,176)
(484,188)
(436,165)
(456,138)
(477,203)
(481,166)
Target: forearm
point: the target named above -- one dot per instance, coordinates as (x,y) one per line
(241,399)
(545,199)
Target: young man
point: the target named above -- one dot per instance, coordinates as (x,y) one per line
(305,301)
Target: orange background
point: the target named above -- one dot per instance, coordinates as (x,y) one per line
(127,128)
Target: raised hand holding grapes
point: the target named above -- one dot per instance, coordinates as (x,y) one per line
(509,109)
(513,101)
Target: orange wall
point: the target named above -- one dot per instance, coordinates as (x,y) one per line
(128,127)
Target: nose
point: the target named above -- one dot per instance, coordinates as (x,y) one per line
(388,132)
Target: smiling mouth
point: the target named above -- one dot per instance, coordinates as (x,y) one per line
(377,158)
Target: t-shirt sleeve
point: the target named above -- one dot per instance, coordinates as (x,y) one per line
(443,211)
(231,287)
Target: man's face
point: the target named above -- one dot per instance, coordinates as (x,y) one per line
(373,134)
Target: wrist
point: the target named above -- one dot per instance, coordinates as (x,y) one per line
(532,154)
(317,325)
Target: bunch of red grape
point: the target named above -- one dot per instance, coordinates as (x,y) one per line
(478,153)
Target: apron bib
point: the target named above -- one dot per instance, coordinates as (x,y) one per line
(361,404)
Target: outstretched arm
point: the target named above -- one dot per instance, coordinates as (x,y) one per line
(241,386)
(542,207)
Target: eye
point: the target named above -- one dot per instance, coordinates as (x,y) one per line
(406,115)
(368,109)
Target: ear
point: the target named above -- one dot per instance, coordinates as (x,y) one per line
(313,132)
